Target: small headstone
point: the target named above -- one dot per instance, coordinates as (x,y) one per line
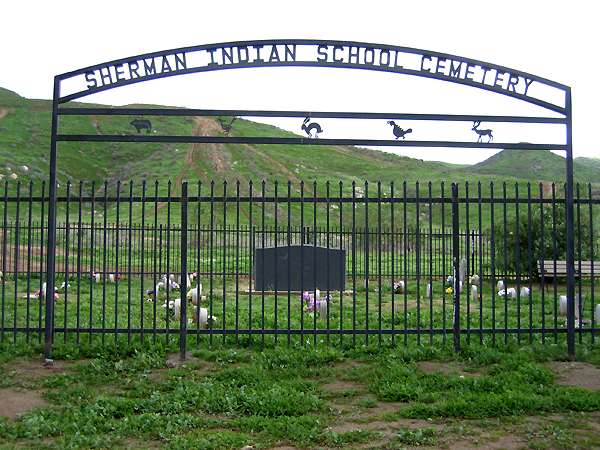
(500,285)
(473,291)
(525,292)
(399,287)
(462,269)
(562,306)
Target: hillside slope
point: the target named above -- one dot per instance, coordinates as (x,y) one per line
(25,136)
(25,139)
(589,162)
(535,165)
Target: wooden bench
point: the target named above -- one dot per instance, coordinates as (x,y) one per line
(555,269)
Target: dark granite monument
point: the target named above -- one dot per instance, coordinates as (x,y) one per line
(308,267)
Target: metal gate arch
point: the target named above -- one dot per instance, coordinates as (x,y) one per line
(318,54)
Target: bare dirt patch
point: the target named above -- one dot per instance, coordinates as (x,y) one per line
(215,153)
(351,364)
(96,124)
(14,403)
(380,409)
(34,369)
(3,112)
(446,368)
(350,409)
(387,427)
(505,442)
(340,386)
(578,374)
(131,443)
(200,366)
(174,360)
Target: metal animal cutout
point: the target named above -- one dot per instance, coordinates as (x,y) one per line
(141,124)
(482,133)
(310,127)
(226,126)
(399,132)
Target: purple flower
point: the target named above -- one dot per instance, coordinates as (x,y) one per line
(318,305)
(306,297)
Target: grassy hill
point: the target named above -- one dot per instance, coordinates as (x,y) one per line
(537,165)
(25,136)
(591,163)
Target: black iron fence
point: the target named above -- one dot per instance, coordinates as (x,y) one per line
(416,267)
(76,241)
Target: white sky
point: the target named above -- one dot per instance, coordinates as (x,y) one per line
(552,39)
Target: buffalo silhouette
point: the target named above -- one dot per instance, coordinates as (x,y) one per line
(141,124)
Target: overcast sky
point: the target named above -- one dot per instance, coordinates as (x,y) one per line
(552,39)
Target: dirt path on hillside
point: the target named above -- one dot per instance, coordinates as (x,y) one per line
(3,112)
(212,153)
(96,124)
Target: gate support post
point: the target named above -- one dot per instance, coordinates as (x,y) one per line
(51,249)
(570,233)
(183,277)
(456,268)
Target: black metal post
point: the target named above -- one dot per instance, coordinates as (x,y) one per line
(50,264)
(570,232)
(183,279)
(456,267)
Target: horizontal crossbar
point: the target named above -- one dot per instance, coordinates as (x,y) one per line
(258,198)
(305,331)
(302,141)
(300,114)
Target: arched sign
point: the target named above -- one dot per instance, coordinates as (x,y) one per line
(315,53)
(547,94)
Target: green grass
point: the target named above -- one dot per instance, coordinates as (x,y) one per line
(225,398)
(513,386)
(124,305)
(424,436)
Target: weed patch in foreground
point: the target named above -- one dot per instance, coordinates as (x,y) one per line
(288,396)
(513,386)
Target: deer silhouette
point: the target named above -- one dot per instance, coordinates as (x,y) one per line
(482,133)
(226,126)
(309,127)
(399,132)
